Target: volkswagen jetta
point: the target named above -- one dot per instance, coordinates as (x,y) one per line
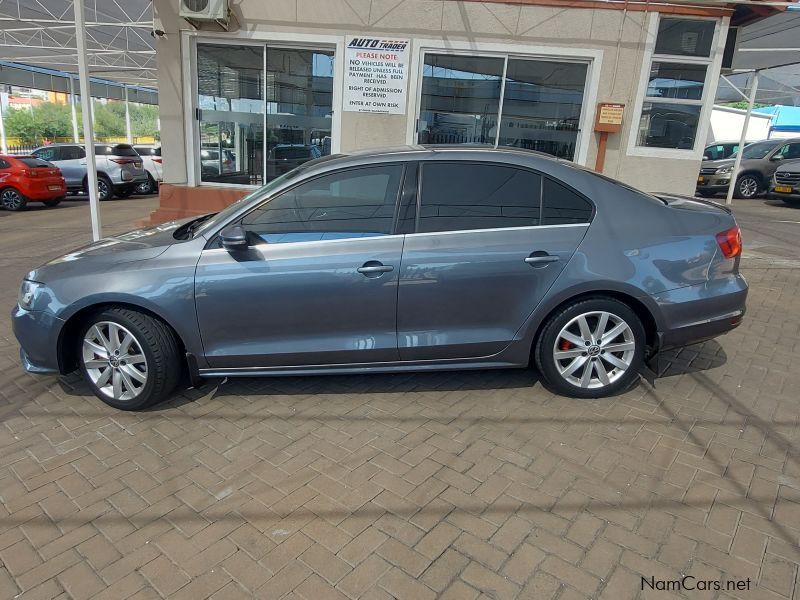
(404,259)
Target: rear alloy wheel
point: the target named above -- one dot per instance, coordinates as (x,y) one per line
(128,358)
(747,187)
(592,348)
(104,189)
(11,199)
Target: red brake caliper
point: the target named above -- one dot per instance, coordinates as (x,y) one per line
(564,345)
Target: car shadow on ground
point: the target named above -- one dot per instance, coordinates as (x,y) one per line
(690,359)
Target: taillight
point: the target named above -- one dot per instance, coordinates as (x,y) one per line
(122,161)
(29,172)
(157,160)
(730,242)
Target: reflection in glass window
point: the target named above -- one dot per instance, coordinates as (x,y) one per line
(299,107)
(673,80)
(668,125)
(542,106)
(460,99)
(237,96)
(463,196)
(685,37)
(347,204)
(230,86)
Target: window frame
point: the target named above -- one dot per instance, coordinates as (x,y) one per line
(712,63)
(542,177)
(591,57)
(406,166)
(294,41)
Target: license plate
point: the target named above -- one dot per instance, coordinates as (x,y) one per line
(700,179)
(786,189)
(53,188)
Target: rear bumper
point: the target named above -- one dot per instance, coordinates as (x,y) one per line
(37,333)
(697,313)
(41,192)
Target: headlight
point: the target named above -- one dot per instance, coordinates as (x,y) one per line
(28,293)
(723,170)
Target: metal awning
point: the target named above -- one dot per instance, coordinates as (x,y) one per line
(41,33)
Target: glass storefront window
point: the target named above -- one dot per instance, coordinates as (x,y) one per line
(231,101)
(540,108)
(263,110)
(670,113)
(460,99)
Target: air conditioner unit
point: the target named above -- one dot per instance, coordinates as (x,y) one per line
(204,10)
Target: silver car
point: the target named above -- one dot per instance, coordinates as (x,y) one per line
(407,259)
(119,167)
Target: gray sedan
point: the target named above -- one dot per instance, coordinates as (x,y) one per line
(407,259)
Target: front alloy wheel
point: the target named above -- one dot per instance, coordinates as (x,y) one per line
(746,187)
(130,359)
(591,348)
(114,361)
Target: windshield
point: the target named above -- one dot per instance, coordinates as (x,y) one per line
(758,150)
(264,191)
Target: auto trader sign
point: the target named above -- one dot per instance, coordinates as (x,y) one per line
(376,75)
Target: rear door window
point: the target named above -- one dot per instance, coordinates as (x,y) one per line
(72,153)
(123,150)
(461,196)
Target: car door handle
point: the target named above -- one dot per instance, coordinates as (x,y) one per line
(374,268)
(540,259)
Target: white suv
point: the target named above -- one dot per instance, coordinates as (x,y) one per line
(119,167)
(151,160)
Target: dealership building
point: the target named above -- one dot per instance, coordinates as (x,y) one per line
(271,84)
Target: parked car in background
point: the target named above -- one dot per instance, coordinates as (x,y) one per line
(119,167)
(26,179)
(151,162)
(285,157)
(395,260)
(720,150)
(759,162)
(786,183)
(215,161)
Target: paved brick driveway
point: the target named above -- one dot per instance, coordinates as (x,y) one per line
(458,485)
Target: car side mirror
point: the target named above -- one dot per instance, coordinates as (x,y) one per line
(234,237)
(777,157)
(706,157)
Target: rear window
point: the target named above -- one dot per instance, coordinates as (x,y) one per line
(146,151)
(115,150)
(34,162)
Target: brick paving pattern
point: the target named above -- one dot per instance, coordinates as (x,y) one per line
(412,486)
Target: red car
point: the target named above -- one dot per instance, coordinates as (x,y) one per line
(26,179)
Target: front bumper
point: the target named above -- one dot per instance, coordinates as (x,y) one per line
(793,196)
(37,333)
(697,313)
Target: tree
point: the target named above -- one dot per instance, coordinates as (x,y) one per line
(42,121)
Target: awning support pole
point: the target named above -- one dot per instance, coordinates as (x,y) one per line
(3,144)
(127,117)
(738,162)
(86,111)
(73,101)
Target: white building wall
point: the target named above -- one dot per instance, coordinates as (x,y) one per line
(617,39)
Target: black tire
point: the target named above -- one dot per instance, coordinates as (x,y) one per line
(125,192)
(12,199)
(105,190)
(51,203)
(148,187)
(747,186)
(706,193)
(158,345)
(545,349)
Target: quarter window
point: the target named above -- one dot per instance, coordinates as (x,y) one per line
(673,100)
(463,196)
(354,203)
(562,206)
